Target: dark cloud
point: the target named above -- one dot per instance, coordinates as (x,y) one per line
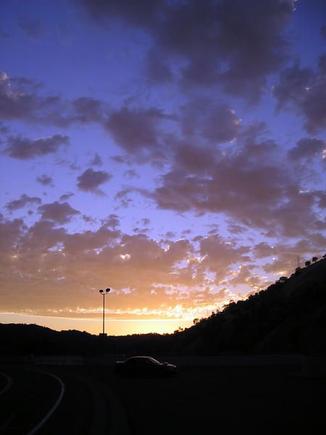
(263,249)
(293,85)
(112,221)
(122,196)
(158,69)
(321,199)
(307,148)
(219,254)
(90,180)
(145,134)
(205,119)
(58,212)
(236,44)
(38,238)
(304,89)
(135,129)
(66,196)
(89,240)
(10,233)
(251,185)
(86,110)
(195,158)
(23,148)
(45,180)
(20,99)
(63,267)
(22,202)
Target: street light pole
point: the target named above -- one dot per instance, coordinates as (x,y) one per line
(104,293)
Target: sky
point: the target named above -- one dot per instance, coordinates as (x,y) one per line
(171,150)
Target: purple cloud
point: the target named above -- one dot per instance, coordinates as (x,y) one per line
(307,148)
(236,44)
(204,118)
(58,212)
(251,186)
(23,148)
(22,202)
(45,180)
(135,129)
(20,99)
(304,90)
(90,180)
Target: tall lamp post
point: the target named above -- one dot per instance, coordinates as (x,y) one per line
(104,293)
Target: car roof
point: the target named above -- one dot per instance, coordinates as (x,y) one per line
(143,357)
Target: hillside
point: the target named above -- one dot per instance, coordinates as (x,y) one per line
(288,317)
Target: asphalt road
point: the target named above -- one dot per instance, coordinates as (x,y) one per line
(200,400)
(52,401)
(266,400)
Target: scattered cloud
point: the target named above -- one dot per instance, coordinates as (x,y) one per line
(86,110)
(58,212)
(222,204)
(66,196)
(23,148)
(135,129)
(204,181)
(45,180)
(203,118)
(307,148)
(21,99)
(304,90)
(90,180)
(23,201)
(236,44)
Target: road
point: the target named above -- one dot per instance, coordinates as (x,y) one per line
(225,398)
(228,399)
(55,400)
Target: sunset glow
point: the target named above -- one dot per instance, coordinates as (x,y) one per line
(173,151)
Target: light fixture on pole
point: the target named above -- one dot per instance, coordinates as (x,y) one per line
(104,293)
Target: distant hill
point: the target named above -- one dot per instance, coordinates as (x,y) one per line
(288,317)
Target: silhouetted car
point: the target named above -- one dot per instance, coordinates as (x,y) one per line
(144,366)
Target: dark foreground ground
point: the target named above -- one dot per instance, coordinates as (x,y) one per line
(231,397)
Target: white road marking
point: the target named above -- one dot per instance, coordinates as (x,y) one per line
(8,384)
(54,406)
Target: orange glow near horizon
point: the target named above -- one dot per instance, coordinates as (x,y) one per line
(94,325)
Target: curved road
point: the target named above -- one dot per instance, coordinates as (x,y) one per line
(57,400)
(28,400)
